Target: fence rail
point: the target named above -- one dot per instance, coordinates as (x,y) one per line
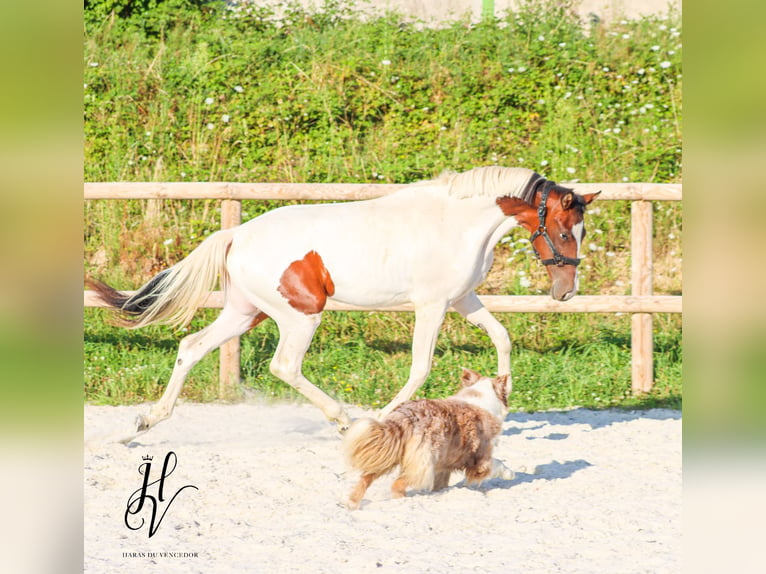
(641,304)
(335,191)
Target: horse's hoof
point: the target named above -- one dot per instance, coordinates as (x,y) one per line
(141,423)
(343,423)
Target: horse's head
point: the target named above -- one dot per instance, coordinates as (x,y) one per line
(556,222)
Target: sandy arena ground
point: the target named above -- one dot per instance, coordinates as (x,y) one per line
(595,491)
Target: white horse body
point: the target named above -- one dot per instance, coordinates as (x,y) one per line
(430,244)
(367,248)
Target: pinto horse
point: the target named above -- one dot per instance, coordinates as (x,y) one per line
(429,244)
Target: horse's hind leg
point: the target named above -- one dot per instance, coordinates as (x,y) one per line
(230,323)
(295,333)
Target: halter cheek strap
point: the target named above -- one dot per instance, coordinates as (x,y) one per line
(558,259)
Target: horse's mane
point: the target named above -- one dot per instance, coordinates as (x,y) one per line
(492,181)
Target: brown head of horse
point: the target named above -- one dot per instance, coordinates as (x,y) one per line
(554,215)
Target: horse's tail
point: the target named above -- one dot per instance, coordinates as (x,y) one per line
(374,447)
(174,294)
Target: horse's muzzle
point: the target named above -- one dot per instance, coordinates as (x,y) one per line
(561,292)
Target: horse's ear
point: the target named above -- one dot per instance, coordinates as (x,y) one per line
(524,213)
(588,197)
(566,200)
(469,377)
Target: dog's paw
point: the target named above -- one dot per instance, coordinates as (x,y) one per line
(351,504)
(507,474)
(499,470)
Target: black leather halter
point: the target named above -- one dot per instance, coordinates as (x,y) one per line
(558,259)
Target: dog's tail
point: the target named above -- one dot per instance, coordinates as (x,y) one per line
(374,447)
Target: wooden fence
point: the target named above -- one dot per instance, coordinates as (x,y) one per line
(640,304)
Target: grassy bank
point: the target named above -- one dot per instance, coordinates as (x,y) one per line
(227,94)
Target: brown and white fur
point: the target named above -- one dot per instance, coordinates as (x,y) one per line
(429,438)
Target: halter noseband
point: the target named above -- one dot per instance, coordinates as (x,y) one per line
(558,259)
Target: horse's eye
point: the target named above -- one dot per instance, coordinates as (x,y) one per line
(564,236)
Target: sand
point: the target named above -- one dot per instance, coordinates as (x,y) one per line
(595,491)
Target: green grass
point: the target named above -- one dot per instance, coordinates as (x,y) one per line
(560,360)
(191,91)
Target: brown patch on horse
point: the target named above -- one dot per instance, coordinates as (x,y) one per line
(524,213)
(257,320)
(306,284)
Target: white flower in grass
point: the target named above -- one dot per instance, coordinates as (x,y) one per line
(665,64)
(225,118)
(167,241)
(385,62)
(209,101)
(525,282)
(211,126)
(239,89)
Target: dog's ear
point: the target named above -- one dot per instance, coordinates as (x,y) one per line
(502,388)
(469,377)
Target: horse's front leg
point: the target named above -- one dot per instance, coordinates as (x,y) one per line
(428,320)
(476,313)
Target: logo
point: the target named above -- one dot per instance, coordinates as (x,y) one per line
(158,504)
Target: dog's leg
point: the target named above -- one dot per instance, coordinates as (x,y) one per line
(399,488)
(486,470)
(355,498)
(441,479)
(478,473)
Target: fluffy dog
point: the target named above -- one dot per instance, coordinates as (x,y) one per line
(430,438)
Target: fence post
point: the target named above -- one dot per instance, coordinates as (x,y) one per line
(229,368)
(642,264)
(487,9)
